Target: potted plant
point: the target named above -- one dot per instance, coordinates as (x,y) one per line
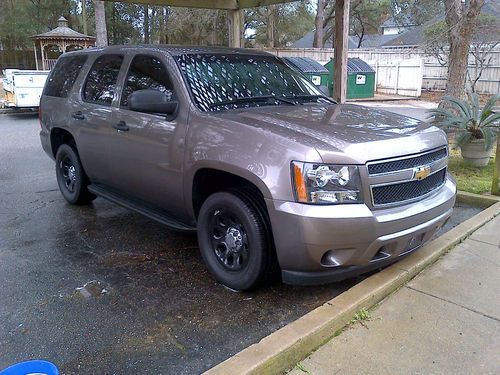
(475,129)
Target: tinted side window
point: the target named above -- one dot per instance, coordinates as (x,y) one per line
(101,80)
(146,72)
(64,75)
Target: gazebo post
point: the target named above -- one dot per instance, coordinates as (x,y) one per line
(42,50)
(235,20)
(36,56)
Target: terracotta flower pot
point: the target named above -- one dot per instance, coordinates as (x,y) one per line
(474,153)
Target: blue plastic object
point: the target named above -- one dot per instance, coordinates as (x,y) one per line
(35,367)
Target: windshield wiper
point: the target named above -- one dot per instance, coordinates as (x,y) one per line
(311,96)
(250,99)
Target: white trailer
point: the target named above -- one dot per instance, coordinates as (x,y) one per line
(23,88)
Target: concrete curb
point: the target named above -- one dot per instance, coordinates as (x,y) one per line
(476,199)
(281,350)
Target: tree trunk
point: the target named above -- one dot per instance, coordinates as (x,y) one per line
(361,37)
(101,32)
(113,23)
(270,26)
(461,21)
(152,25)
(457,65)
(162,26)
(318,21)
(495,187)
(84,16)
(146,25)
(166,16)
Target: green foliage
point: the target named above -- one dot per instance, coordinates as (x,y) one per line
(302,368)
(292,21)
(197,26)
(466,118)
(416,12)
(435,36)
(362,315)
(367,16)
(435,39)
(21,19)
(123,21)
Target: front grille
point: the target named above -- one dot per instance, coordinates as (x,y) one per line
(407,190)
(412,162)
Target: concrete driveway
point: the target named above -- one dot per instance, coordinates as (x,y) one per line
(152,308)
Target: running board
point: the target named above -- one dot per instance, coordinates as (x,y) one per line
(155,215)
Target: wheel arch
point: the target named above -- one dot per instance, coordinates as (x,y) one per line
(208,179)
(59,136)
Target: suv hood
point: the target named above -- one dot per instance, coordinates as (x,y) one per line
(343,133)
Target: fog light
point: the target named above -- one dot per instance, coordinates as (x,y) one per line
(337,257)
(328,259)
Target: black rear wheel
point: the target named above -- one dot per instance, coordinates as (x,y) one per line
(71,177)
(235,241)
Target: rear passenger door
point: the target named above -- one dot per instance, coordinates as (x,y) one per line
(91,113)
(55,107)
(147,155)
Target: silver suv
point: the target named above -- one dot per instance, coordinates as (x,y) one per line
(274,176)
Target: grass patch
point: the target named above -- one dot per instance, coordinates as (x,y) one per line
(302,368)
(469,178)
(362,315)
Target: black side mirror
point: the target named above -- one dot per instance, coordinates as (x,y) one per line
(151,101)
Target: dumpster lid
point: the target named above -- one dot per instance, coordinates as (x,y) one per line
(356,65)
(306,64)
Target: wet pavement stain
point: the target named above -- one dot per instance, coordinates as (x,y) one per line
(163,312)
(91,289)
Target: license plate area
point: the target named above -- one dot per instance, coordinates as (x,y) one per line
(413,243)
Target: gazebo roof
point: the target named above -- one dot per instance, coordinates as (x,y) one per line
(62,31)
(209,4)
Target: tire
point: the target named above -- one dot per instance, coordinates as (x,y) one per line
(71,177)
(235,240)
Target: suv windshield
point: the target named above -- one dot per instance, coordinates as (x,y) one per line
(219,82)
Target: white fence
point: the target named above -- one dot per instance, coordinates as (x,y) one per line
(399,77)
(405,71)
(489,83)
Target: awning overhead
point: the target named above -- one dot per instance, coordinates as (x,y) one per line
(209,4)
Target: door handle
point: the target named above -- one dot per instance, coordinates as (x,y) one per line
(121,126)
(78,115)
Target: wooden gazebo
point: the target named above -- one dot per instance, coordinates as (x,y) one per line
(57,41)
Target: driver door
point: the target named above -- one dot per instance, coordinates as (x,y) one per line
(146,153)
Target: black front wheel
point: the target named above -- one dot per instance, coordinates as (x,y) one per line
(235,240)
(71,177)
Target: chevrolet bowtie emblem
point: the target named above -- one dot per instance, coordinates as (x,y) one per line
(421,172)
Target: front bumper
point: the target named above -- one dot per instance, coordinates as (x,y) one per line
(322,244)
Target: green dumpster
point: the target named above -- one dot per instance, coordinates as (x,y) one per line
(313,70)
(360,78)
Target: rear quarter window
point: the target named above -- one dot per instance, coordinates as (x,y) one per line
(63,76)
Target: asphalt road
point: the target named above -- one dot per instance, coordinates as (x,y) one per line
(160,312)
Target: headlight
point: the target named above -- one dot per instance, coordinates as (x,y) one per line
(326,183)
